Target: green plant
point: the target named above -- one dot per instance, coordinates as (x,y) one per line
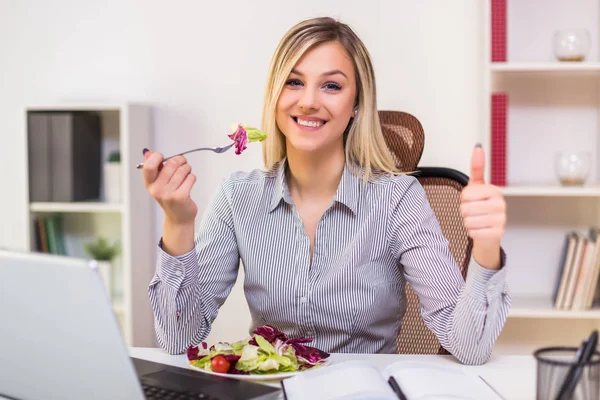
(101,250)
(115,156)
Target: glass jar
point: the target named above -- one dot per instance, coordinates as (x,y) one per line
(573,168)
(572,45)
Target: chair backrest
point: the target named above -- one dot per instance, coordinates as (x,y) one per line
(442,187)
(405,138)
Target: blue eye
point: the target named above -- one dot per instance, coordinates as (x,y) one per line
(332,86)
(293,82)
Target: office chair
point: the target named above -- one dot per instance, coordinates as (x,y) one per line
(405,138)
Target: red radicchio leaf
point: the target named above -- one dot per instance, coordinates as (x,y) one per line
(240,137)
(307,354)
(232,358)
(269,333)
(193,351)
(298,341)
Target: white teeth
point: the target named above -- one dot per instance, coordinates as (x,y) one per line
(312,124)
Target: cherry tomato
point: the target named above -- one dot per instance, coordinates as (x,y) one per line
(220,364)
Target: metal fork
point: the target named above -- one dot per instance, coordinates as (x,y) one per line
(217,150)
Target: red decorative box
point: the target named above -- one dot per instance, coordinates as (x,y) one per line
(498,139)
(498,23)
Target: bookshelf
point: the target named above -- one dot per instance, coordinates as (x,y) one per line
(550,191)
(542,307)
(74,207)
(126,128)
(545,67)
(552,106)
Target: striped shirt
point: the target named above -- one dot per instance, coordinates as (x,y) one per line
(372,239)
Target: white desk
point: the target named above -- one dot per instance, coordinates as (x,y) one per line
(512,376)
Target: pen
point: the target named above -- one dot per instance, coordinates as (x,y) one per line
(491,387)
(582,357)
(396,388)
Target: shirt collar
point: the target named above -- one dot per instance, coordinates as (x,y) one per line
(347,192)
(280,191)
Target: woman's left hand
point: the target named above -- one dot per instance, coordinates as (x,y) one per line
(483,210)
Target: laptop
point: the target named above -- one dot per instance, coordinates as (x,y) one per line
(59,339)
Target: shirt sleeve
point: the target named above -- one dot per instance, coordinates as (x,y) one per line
(466,316)
(187,291)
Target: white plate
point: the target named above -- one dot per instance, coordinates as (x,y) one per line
(255,377)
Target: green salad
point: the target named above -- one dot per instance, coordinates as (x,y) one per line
(267,351)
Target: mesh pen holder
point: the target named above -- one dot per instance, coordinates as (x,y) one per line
(554,365)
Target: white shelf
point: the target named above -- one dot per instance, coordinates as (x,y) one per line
(537,307)
(552,106)
(125,127)
(551,191)
(79,106)
(546,67)
(79,207)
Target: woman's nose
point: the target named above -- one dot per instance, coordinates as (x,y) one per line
(309,99)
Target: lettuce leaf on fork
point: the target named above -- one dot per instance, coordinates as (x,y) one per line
(243,134)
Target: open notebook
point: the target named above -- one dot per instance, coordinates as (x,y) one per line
(363,381)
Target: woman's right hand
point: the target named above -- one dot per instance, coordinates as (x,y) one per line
(170,185)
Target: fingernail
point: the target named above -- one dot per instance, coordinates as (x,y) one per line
(478,145)
(145,151)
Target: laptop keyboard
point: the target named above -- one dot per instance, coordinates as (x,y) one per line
(158,393)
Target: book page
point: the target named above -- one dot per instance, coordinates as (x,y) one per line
(343,381)
(431,381)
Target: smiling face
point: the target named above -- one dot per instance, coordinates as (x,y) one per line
(317,101)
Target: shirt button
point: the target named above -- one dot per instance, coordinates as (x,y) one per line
(491,287)
(303,299)
(309,333)
(178,272)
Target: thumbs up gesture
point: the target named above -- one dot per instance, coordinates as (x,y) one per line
(483,211)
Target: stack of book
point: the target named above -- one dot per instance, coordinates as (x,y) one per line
(64,151)
(579,271)
(49,234)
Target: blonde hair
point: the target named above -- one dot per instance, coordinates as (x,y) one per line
(365,145)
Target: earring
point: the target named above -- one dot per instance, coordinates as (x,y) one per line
(355,112)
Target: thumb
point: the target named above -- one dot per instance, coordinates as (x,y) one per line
(477,165)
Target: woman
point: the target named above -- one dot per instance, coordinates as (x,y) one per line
(331,231)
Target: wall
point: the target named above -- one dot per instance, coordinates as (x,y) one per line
(203,65)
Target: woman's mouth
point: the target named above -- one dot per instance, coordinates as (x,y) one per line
(309,124)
